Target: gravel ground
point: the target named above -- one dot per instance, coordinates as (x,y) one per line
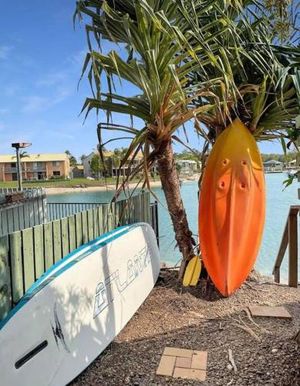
(264,350)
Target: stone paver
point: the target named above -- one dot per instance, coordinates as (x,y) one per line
(166,366)
(199,360)
(178,352)
(183,363)
(198,375)
(271,312)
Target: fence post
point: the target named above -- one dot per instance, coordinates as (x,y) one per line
(5,288)
(293,248)
(15,249)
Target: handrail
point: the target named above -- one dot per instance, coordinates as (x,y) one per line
(290,240)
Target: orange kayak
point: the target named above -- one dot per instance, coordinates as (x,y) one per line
(232,208)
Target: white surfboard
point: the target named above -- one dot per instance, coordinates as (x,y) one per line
(70,315)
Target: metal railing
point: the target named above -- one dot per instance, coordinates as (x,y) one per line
(58,210)
(28,211)
(28,192)
(289,240)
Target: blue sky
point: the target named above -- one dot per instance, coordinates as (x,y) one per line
(41,57)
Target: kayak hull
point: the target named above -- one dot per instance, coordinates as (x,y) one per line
(232,208)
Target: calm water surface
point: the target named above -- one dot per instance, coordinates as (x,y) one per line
(278,203)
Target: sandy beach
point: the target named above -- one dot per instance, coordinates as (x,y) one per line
(108,187)
(103,188)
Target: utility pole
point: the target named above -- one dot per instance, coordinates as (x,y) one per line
(18,146)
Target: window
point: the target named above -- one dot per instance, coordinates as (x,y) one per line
(13,165)
(55,163)
(38,165)
(56,173)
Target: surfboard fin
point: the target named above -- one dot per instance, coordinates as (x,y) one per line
(192,272)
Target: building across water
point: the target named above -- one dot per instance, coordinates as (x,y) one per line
(273,166)
(35,166)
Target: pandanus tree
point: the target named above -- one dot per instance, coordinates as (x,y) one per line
(232,194)
(201,60)
(161,55)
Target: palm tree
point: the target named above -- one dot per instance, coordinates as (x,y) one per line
(201,60)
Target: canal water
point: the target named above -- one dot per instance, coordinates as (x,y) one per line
(278,203)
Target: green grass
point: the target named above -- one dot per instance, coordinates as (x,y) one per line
(61,183)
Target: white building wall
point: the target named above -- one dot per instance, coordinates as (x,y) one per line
(87,165)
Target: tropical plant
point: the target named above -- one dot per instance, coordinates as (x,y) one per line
(283,17)
(23,154)
(96,165)
(73,160)
(202,60)
(160,58)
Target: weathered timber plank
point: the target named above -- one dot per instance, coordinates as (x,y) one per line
(95,222)
(5,286)
(293,249)
(38,236)
(85,234)
(48,245)
(72,233)
(15,247)
(65,236)
(57,245)
(78,223)
(90,224)
(28,259)
(111,216)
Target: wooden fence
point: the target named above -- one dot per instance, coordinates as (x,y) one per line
(20,215)
(25,255)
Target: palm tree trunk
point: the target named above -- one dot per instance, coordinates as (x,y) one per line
(171,187)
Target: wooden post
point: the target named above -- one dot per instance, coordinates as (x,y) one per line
(281,252)
(293,248)
(5,287)
(276,273)
(15,246)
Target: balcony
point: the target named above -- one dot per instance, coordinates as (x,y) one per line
(27,170)
(37,169)
(10,170)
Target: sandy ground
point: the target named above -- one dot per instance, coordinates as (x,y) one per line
(264,350)
(109,187)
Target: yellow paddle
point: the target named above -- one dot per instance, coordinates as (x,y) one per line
(192,272)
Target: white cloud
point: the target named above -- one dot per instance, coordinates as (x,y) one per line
(34,104)
(52,79)
(61,94)
(4,51)
(11,90)
(77,59)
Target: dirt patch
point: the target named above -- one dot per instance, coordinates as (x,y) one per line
(264,350)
